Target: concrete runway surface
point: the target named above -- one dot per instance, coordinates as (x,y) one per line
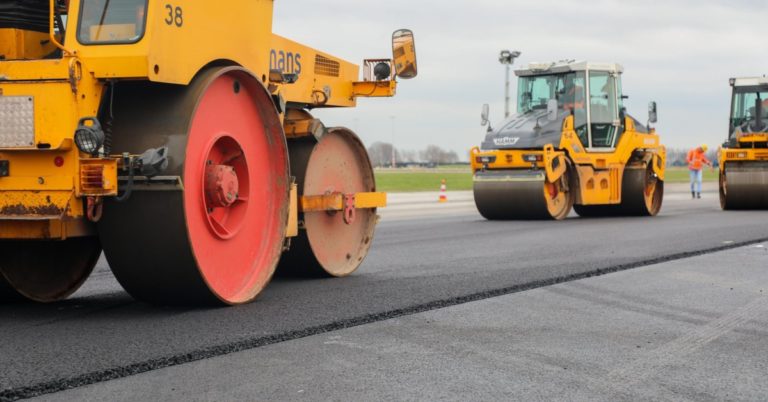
(446,306)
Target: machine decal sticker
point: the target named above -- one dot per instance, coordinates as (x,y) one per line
(501,141)
(286,62)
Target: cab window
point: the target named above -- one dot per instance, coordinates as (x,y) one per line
(579,109)
(744,109)
(534,92)
(602,109)
(111,21)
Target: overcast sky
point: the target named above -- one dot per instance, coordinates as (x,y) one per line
(679,53)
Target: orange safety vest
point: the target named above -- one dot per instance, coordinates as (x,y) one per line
(696,159)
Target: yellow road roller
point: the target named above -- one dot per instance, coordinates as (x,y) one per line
(743,159)
(178,138)
(571,144)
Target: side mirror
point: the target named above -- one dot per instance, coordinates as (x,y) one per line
(404,53)
(552,110)
(485,114)
(652,115)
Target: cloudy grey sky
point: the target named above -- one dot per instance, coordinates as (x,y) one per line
(679,53)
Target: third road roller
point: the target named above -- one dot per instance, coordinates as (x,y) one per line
(743,159)
(571,145)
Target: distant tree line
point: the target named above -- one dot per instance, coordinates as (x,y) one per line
(381,155)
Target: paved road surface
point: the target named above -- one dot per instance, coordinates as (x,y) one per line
(418,263)
(691,329)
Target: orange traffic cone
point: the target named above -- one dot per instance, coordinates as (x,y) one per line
(443,195)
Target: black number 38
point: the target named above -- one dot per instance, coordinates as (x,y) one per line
(175,16)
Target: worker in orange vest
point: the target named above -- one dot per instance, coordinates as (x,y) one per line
(696,159)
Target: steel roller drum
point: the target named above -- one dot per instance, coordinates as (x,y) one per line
(187,245)
(744,186)
(510,194)
(326,244)
(46,270)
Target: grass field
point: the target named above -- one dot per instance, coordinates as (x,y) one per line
(459,178)
(409,181)
(680,174)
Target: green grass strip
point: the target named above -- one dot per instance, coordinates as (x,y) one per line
(404,180)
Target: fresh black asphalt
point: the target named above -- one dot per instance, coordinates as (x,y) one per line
(415,265)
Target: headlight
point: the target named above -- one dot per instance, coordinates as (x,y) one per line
(485,159)
(89,137)
(533,158)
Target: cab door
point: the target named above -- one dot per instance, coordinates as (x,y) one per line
(603,109)
(601,181)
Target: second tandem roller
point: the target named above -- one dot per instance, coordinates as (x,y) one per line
(743,159)
(571,144)
(177,138)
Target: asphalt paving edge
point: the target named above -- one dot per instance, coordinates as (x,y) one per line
(62,384)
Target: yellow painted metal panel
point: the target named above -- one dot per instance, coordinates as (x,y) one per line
(506,159)
(29,70)
(615,183)
(323,80)
(370,200)
(754,137)
(21,205)
(17,44)
(292,228)
(554,163)
(119,66)
(46,229)
(186,36)
(335,201)
(36,183)
(374,89)
(595,186)
(316,203)
(98,177)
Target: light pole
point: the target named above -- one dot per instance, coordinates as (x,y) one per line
(394,162)
(507,58)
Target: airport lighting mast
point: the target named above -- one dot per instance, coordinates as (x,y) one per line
(507,58)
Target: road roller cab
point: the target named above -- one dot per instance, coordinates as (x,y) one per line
(743,158)
(178,137)
(570,144)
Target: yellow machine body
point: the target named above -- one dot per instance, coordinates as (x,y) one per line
(177,139)
(44,179)
(744,153)
(19,43)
